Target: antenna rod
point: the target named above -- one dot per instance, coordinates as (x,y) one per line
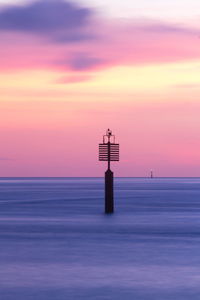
(109,154)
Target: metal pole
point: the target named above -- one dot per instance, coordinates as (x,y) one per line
(108,155)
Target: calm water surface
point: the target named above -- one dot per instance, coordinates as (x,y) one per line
(56,243)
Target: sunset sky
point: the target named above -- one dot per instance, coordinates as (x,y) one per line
(71,69)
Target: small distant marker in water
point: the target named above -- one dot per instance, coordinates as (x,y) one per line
(151,174)
(109,151)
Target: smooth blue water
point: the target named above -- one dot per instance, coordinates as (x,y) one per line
(56,243)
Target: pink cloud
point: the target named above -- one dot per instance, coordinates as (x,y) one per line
(74,79)
(97,45)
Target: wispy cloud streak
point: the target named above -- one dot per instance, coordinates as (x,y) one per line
(60,35)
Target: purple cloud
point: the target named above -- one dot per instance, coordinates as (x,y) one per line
(73,37)
(84,61)
(57,18)
(158,27)
(80,43)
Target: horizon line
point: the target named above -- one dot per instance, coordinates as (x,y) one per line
(7,177)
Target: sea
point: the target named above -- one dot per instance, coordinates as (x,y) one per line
(56,243)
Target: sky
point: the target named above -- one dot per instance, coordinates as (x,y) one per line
(71,69)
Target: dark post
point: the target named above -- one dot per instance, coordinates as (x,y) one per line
(109,205)
(109,151)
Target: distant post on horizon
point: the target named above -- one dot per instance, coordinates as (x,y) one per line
(109,151)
